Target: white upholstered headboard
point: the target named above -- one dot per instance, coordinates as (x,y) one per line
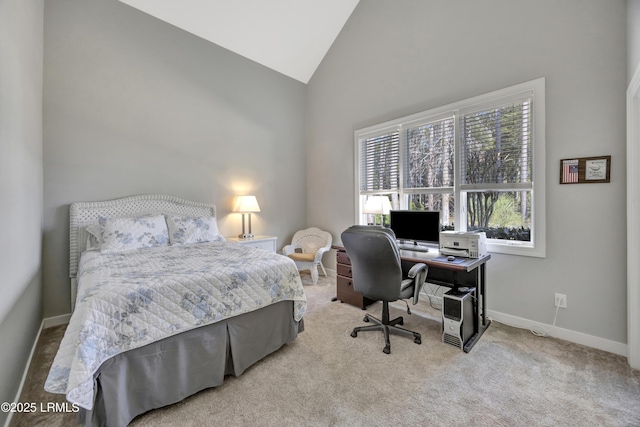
(82,214)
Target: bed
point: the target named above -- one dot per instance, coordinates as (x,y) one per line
(164,307)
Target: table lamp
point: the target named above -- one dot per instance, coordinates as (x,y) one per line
(246,205)
(377,205)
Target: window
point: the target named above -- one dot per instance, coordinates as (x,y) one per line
(476,161)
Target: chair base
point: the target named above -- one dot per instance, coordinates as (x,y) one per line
(388,327)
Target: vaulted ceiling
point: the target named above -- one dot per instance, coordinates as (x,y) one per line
(288,36)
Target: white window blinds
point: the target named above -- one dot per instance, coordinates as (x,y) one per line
(380,162)
(496,144)
(429,154)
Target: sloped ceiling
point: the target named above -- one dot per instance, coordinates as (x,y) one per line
(288,36)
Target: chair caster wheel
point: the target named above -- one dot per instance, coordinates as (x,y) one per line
(417,341)
(354,334)
(386,350)
(366,319)
(401,322)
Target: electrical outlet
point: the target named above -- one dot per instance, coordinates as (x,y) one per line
(561,301)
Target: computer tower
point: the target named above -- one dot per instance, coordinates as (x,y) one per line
(458,317)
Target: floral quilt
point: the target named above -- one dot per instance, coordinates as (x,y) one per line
(131,298)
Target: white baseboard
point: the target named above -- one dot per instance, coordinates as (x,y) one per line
(49,322)
(24,374)
(565,334)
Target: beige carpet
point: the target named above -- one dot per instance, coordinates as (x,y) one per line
(327,378)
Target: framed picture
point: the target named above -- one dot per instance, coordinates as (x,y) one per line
(585,170)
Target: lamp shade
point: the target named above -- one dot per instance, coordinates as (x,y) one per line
(246,204)
(377,205)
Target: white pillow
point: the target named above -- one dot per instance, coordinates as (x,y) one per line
(186,229)
(122,234)
(94,238)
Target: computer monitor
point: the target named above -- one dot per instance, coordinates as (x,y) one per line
(417,226)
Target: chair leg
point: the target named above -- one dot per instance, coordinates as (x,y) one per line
(417,338)
(387,327)
(314,275)
(397,321)
(324,272)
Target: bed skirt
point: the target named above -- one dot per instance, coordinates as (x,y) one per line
(168,371)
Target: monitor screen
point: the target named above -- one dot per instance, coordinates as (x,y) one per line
(421,226)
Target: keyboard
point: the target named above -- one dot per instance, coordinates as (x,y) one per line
(412,247)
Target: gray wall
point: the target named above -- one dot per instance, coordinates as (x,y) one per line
(20,187)
(633,37)
(397,58)
(133,105)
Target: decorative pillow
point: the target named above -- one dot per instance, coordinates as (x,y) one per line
(122,234)
(187,229)
(94,238)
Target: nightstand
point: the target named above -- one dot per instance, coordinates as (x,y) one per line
(267,243)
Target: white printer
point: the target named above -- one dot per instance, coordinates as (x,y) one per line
(463,243)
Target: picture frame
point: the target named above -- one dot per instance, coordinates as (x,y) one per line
(585,170)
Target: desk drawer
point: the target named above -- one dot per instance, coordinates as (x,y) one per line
(344,270)
(343,258)
(346,293)
(344,282)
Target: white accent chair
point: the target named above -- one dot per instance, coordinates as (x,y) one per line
(307,248)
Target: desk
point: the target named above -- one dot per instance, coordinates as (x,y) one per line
(462,272)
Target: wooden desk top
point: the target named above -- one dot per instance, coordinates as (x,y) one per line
(433,258)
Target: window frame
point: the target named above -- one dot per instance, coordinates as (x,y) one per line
(537,246)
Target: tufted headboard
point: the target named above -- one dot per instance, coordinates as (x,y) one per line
(82,214)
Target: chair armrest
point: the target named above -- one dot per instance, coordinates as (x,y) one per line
(416,269)
(419,275)
(289,249)
(319,254)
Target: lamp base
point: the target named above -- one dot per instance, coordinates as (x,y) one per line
(246,236)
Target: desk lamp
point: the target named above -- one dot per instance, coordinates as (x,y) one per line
(377,205)
(246,205)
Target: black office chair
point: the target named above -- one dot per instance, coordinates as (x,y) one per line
(378,275)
